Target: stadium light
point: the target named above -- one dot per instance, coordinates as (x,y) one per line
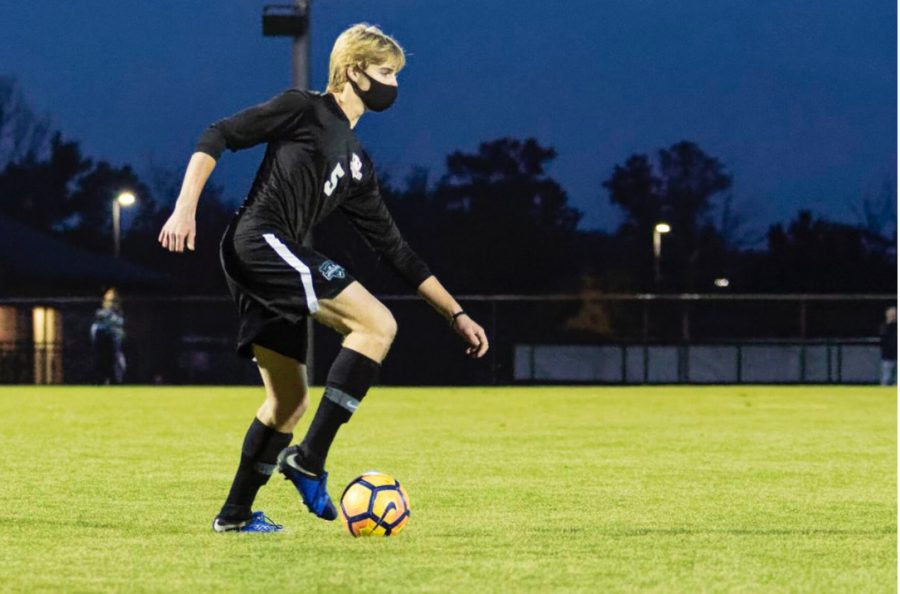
(658,232)
(123,199)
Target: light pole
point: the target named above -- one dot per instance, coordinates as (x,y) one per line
(291,20)
(123,199)
(658,231)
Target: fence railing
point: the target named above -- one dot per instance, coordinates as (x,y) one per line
(722,362)
(191,339)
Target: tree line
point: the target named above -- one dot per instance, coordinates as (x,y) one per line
(494,221)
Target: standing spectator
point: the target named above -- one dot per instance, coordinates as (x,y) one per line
(889,348)
(107,334)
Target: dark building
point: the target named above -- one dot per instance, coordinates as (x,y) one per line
(38,273)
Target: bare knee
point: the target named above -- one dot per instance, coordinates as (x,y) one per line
(382,329)
(388,328)
(293,411)
(286,389)
(373,337)
(366,324)
(283,412)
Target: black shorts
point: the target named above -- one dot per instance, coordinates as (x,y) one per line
(276,284)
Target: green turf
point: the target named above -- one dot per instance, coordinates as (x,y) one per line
(719,489)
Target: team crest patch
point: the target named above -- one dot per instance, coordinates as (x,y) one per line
(331,270)
(356,167)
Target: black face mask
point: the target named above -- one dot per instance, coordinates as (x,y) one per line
(379,96)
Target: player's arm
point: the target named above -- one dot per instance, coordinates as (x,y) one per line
(264,122)
(180,229)
(432,291)
(370,216)
(261,123)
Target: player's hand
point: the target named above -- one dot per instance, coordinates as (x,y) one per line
(473,334)
(179,231)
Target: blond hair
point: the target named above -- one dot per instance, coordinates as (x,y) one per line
(362,45)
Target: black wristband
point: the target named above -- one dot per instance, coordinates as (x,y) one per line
(456,315)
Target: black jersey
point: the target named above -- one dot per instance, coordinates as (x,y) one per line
(313,165)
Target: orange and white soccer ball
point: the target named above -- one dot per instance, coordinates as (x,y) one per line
(374,504)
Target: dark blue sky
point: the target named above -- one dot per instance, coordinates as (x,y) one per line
(798,98)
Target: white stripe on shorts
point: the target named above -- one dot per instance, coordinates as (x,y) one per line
(295,263)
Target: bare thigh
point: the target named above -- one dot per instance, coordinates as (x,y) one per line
(287,391)
(367,325)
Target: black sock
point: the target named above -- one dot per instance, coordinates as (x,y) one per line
(349,379)
(258,457)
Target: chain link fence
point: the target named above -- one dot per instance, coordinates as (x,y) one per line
(635,338)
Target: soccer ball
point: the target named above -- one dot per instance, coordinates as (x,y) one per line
(374,504)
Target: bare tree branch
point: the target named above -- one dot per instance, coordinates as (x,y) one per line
(22,131)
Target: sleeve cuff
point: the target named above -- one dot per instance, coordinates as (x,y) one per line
(211,142)
(414,270)
(419,277)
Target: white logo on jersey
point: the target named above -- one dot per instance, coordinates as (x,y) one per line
(336,174)
(356,167)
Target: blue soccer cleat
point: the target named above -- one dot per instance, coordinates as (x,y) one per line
(258,522)
(313,488)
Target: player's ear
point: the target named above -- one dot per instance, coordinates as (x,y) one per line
(354,73)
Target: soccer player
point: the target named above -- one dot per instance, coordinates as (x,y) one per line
(313,165)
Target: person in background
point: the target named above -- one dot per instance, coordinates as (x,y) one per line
(107,335)
(889,348)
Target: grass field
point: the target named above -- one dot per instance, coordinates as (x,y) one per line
(687,489)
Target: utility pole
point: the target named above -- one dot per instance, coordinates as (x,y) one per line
(292,20)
